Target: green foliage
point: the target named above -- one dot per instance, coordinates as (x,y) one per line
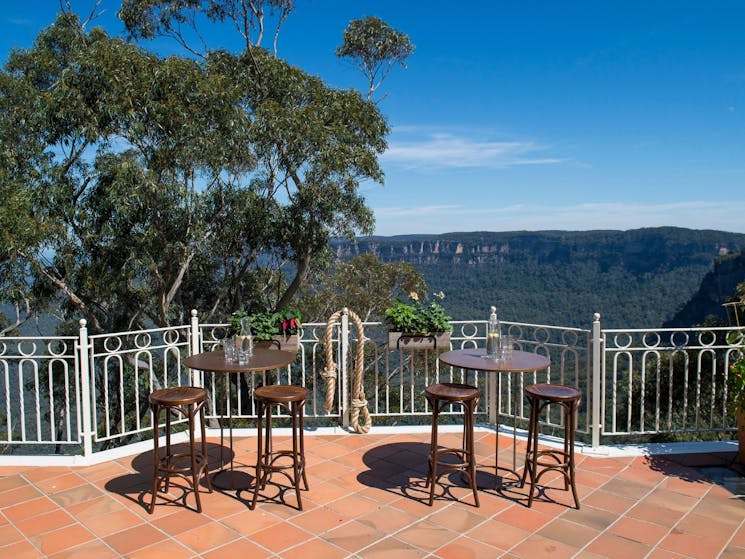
(736,376)
(266,325)
(736,385)
(363,284)
(417,317)
(140,187)
(374,47)
(147,19)
(634,279)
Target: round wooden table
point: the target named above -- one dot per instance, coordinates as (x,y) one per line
(214,361)
(474,359)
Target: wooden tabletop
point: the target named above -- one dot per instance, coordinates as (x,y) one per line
(261,360)
(475,359)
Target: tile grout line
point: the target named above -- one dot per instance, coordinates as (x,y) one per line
(638,500)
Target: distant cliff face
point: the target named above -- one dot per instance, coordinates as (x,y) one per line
(641,249)
(637,278)
(716,288)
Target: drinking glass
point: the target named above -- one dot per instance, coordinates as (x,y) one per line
(508,343)
(228,346)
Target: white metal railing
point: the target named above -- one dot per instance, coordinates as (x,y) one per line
(79,395)
(666,381)
(40,391)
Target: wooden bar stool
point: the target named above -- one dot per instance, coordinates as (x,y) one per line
(291,398)
(186,401)
(540,396)
(439,396)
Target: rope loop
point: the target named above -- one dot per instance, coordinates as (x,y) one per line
(329,374)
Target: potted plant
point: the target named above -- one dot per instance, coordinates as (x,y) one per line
(277,330)
(417,325)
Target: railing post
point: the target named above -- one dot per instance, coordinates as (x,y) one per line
(596,423)
(195,345)
(344,341)
(86,410)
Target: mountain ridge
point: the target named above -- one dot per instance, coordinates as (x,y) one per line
(633,278)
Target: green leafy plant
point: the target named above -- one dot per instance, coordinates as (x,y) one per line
(417,317)
(736,377)
(267,325)
(736,385)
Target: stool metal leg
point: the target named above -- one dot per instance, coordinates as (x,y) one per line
(433,451)
(572,420)
(205,457)
(532,422)
(190,411)
(156,457)
(259,458)
(469,409)
(535,413)
(301,408)
(296,455)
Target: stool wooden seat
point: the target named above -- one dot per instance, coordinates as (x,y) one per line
(186,401)
(291,398)
(439,396)
(538,462)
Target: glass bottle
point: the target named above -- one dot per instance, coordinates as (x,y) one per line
(244,341)
(492,335)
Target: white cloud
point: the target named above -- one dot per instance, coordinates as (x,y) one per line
(447,150)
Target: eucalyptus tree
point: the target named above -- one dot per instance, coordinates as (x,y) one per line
(374,47)
(138,187)
(363,284)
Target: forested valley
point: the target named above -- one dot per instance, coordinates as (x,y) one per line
(634,279)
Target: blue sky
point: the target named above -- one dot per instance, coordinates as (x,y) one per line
(527,115)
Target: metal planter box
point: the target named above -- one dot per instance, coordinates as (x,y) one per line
(430,340)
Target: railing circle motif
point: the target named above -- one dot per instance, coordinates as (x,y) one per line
(541,335)
(3,348)
(314,335)
(515,331)
(60,352)
(171,337)
(674,339)
(143,340)
(474,330)
(651,339)
(570,338)
(707,341)
(217,333)
(113,344)
(27,353)
(627,342)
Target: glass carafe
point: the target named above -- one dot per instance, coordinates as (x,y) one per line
(244,342)
(493,335)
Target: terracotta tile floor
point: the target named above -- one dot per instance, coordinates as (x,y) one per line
(367,500)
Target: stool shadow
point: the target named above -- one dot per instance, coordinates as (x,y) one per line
(507,486)
(274,495)
(399,468)
(136,487)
